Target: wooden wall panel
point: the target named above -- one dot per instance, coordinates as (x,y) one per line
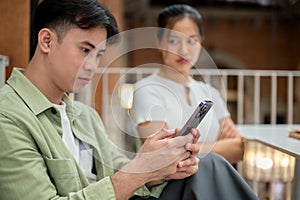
(15,32)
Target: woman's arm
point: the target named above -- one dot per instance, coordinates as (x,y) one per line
(229,144)
(232,149)
(228,129)
(148,128)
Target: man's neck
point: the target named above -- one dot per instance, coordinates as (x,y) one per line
(35,73)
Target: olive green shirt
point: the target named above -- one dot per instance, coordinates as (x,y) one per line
(35,164)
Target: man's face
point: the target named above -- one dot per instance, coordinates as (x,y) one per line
(74,59)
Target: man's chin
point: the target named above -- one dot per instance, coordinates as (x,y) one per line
(77,88)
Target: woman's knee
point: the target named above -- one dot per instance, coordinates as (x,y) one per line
(212,160)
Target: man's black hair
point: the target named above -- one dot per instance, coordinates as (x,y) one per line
(61,15)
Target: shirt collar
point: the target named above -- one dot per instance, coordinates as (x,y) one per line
(32,96)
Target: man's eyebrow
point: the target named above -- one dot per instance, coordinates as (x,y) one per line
(89,44)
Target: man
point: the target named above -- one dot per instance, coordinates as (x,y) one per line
(53,148)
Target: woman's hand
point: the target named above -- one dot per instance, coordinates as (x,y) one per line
(228,129)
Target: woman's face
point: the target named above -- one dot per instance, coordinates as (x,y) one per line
(180,47)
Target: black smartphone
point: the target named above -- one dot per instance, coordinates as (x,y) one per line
(197,116)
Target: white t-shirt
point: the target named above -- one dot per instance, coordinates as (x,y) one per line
(160,99)
(82,152)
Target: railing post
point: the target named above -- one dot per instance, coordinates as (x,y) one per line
(225,83)
(273,98)
(256,98)
(240,106)
(290,94)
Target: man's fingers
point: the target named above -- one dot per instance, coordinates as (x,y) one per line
(164,133)
(193,160)
(194,149)
(196,135)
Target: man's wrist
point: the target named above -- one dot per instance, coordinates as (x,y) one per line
(123,190)
(159,182)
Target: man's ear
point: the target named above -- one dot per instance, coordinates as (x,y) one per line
(45,39)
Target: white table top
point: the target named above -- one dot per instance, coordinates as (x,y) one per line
(275,136)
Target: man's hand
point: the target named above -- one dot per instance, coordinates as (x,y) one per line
(161,153)
(186,168)
(161,156)
(189,165)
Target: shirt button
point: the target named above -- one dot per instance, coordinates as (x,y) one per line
(53,111)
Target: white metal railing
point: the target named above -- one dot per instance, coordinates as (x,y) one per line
(248,98)
(4,62)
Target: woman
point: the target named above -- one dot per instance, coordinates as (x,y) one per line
(167,98)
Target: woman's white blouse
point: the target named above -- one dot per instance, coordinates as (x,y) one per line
(163,100)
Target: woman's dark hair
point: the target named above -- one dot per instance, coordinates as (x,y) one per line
(173,13)
(62,15)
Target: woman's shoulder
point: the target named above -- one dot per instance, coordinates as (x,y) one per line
(150,80)
(198,83)
(203,85)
